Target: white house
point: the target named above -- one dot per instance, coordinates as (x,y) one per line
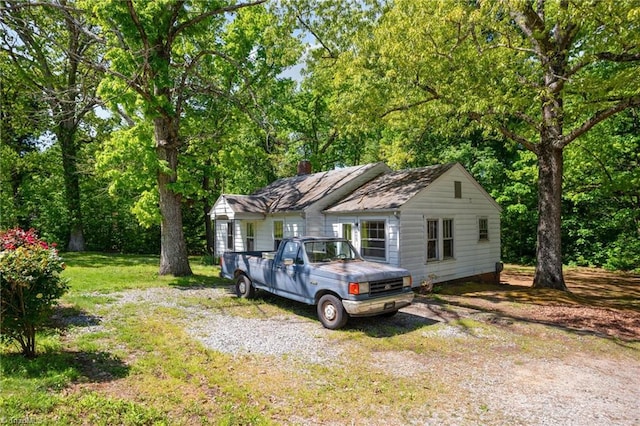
(435,221)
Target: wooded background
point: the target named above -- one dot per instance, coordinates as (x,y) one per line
(123,121)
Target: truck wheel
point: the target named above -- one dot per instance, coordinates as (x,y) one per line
(244,288)
(331,312)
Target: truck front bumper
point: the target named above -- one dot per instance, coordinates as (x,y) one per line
(363,308)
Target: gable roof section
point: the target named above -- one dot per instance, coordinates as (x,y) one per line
(299,192)
(245,203)
(390,191)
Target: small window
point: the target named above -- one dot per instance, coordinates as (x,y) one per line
(251,237)
(457,185)
(447,238)
(230,240)
(278,233)
(483,229)
(373,239)
(432,239)
(347,231)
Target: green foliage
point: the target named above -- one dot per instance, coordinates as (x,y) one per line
(602,191)
(30,283)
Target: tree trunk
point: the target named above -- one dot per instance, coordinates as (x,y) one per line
(548,272)
(66,138)
(174,258)
(206,186)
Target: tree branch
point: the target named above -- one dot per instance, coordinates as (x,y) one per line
(618,57)
(143,36)
(197,19)
(332,55)
(519,139)
(596,119)
(407,106)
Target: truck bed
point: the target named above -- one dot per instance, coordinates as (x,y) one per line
(257,263)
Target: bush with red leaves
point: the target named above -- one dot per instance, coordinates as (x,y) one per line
(30,285)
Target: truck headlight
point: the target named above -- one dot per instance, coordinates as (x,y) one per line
(358,288)
(406,281)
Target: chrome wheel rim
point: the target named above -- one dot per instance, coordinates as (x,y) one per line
(329,311)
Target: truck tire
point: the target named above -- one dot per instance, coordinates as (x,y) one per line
(331,312)
(244,288)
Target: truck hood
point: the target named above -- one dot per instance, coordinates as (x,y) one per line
(357,271)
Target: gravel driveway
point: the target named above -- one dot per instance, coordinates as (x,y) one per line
(494,389)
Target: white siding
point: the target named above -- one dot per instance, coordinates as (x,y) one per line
(221,208)
(220,237)
(293,226)
(220,242)
(471,256)
(392,230)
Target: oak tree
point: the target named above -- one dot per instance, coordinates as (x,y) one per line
(50,45)
(540,73)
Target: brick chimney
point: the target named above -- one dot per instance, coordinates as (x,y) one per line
(304,167)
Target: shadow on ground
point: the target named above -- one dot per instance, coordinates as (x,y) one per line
(598,303)
(377,326)
(56,369)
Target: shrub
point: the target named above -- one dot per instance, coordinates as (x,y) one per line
(30,284)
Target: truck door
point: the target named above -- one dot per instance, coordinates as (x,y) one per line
(289,269)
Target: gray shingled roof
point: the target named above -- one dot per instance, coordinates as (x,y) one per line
(295,193)
(391,190)
(245,203)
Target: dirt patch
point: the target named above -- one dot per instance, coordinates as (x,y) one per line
(598,302)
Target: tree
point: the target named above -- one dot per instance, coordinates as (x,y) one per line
(49,44)
(164,58)
(540,73)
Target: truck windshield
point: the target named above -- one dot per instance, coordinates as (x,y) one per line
(328,251)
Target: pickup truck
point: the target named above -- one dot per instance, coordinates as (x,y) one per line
(322,271)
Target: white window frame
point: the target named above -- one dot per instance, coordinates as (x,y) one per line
(384,240)
(350,233)
(230,240)
(483,231)
(277,239)
(432,224)
(250,236)
(448,234)
(443,233)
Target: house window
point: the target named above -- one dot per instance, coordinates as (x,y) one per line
(347,231)
(483,229)
(432,239)
(457,189)
(373,239)
(251,237)
(439,239)
(278,233)
(447,238)
(230,245)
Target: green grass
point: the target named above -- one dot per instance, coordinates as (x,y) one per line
(136,364)
(107,273)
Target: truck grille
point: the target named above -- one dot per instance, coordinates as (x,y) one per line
(385,286)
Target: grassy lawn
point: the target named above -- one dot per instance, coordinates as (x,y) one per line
(135,364)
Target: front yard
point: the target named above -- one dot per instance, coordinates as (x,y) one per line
(135,348)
